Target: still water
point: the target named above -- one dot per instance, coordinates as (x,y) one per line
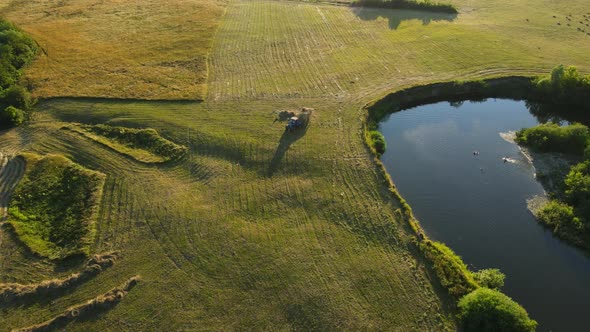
(476,204)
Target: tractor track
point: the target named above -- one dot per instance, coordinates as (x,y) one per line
(11,171)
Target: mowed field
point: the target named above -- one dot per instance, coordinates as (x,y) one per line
(255,229)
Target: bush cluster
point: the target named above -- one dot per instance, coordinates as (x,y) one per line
(560,216)
(377,141)
(16,51)
(450,268)
(577,195)
(565,86)
(568,216)
(425,5)
(552,137)
(490,278)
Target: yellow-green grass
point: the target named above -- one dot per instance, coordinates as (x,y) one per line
(289,50)
(53,208)
(145,152)
(118,49)
(222,244)
(258,230)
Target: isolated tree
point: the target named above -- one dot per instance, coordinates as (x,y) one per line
(487,310)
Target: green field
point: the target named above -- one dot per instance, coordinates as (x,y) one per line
(255,229)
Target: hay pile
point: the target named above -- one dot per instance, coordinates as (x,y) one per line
(12,293)
(82,311)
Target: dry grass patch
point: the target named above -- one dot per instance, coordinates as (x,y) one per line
(118,49)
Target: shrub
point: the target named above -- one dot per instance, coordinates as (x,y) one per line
(490,278)
(489,310)
(577,189)
(551,137)
(450,269)
(11,116)
(8,74)
(557,215)
(17,96)
(377,141)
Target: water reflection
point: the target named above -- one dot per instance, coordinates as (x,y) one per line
(476,204)
(549,113)
(397,16)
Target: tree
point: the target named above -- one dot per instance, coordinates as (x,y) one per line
(17,96)
(487,310)
(490,278)
(11,116)
(378,142)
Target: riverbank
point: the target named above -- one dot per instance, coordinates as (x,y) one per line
(450,268)
(476,203)
(550,168)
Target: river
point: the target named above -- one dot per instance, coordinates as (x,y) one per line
(476,203)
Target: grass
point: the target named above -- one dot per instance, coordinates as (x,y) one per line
(148,49)
(12,294)
(86,310)
(221,243)
(53,208)
(143,145)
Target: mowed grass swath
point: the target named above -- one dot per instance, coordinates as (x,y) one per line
(255,229)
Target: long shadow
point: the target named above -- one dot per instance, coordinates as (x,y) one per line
(287,139)
(397,16)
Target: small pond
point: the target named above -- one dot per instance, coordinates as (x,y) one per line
(476,204)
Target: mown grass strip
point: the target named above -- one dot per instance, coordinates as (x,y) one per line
(86,310)
(143,145)
(12,293)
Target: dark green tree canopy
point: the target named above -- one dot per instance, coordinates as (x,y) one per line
(16,51)
(487,310)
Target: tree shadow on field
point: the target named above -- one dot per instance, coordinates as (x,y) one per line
(288,138)
(397,16)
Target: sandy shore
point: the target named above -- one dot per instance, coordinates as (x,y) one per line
(550,169)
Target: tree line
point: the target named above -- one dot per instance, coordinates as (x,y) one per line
(17,50)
